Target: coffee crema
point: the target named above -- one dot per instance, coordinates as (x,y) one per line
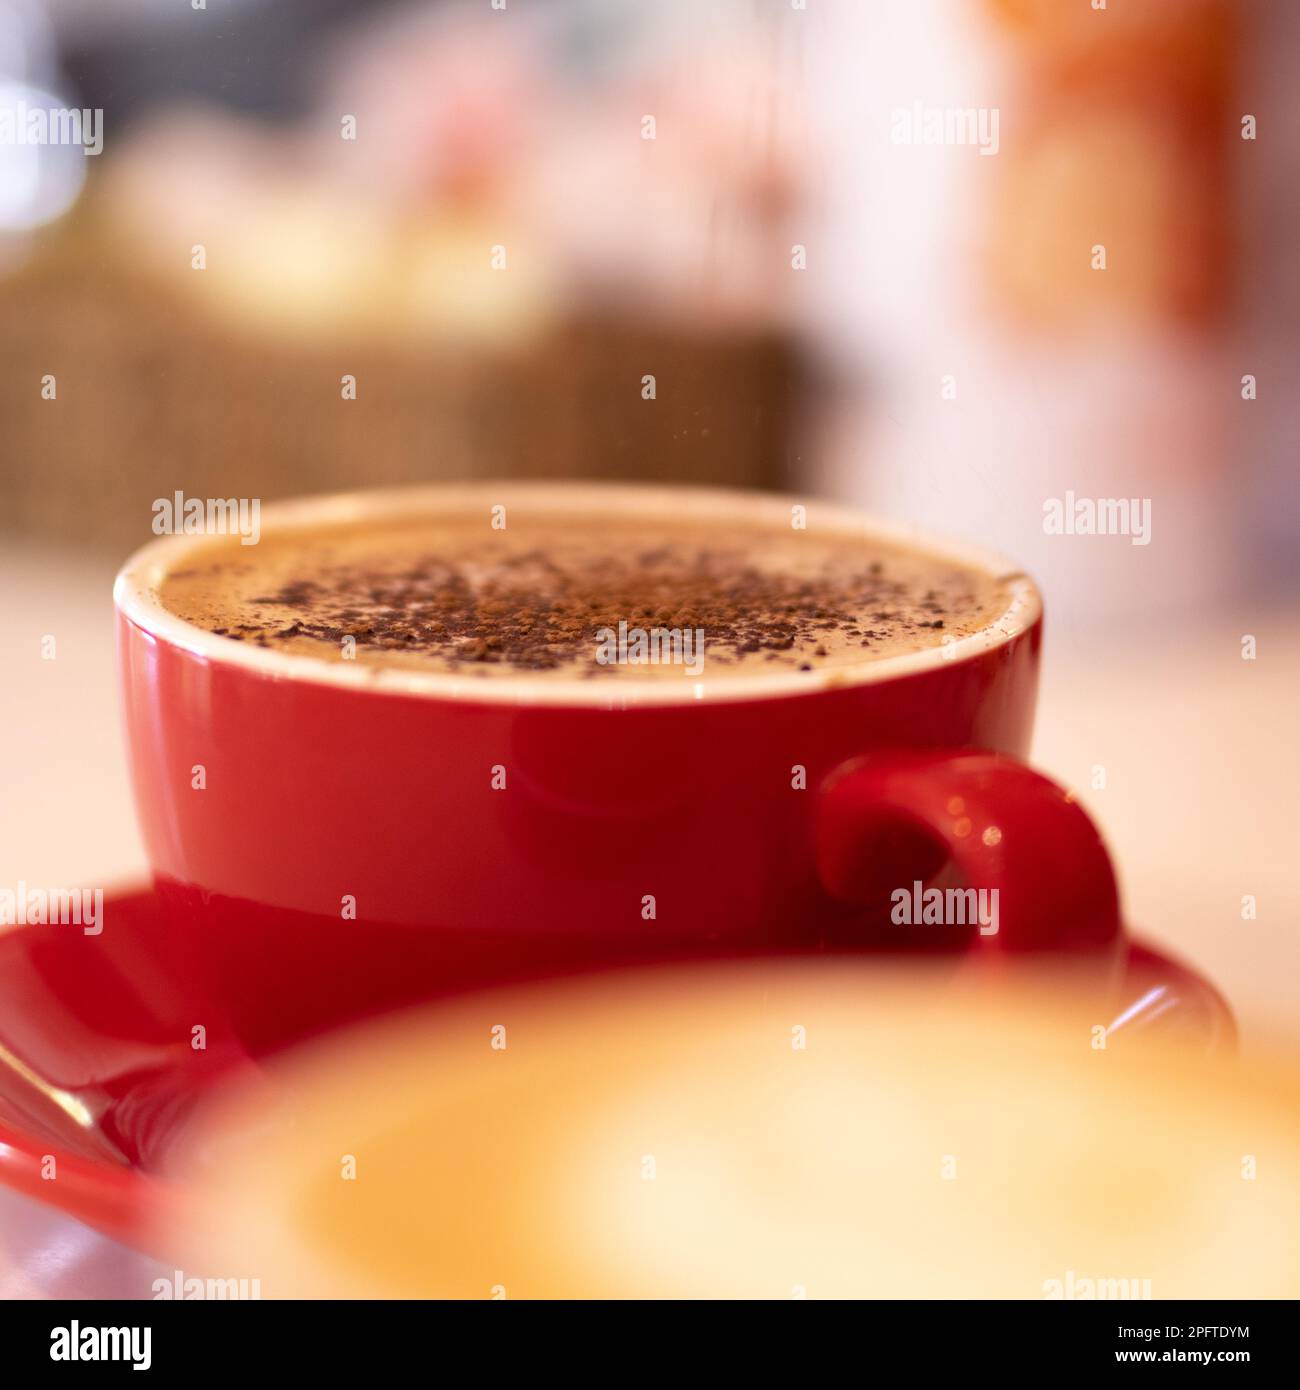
(579,595)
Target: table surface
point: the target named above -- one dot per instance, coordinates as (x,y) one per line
(1197,747)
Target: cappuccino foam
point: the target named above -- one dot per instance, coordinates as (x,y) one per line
(596,597)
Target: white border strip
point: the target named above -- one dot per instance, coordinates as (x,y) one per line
(135,593)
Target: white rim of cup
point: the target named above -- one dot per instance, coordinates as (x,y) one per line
(135,593)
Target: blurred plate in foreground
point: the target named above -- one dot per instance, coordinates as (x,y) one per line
(769,1130)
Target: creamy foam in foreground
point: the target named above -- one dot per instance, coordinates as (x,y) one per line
(594,597)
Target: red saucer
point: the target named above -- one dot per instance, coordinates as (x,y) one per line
(100,1071)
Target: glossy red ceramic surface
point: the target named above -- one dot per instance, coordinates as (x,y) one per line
(315,797)
(329,844)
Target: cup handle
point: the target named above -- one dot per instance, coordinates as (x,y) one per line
(1002,826)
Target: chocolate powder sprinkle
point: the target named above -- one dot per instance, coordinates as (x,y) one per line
(543,598)
(532,612)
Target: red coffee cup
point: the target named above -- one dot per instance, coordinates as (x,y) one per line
(352,843)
